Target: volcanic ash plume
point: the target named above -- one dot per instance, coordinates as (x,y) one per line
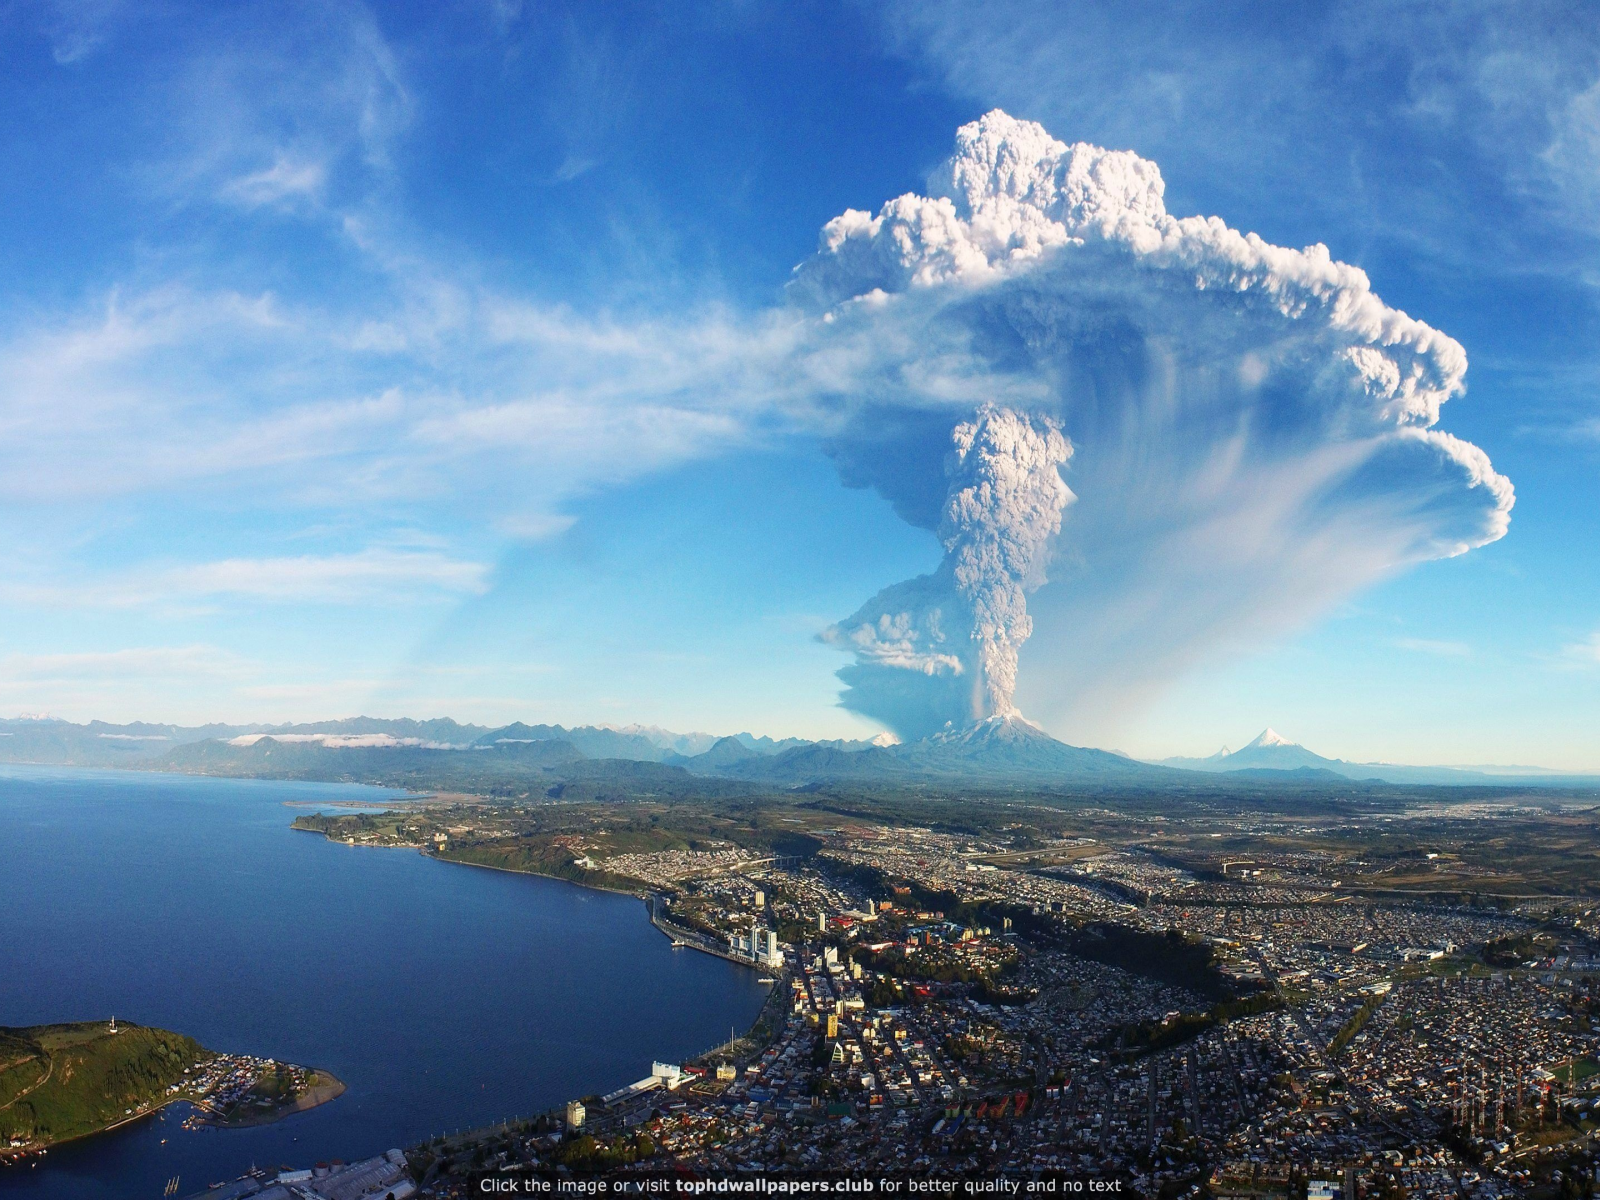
(965,623)
(1005,504)
(1253,433)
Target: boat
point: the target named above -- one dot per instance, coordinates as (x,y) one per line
(766,979)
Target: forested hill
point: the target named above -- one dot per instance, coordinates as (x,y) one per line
(59,1082)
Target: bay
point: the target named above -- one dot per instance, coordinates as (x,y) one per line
(444,996)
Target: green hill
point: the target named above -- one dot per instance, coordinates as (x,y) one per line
(59,1082)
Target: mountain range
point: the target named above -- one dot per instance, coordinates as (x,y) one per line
(1272,752)
(444,753)
(99,744)
(600,759)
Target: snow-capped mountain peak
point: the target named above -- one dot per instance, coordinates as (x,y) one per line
(1270,737)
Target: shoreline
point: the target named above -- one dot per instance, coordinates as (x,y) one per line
(644,894)
(314,1097)
(379,805)
(648,897)
(779,975)
(13,1157)
(426,852)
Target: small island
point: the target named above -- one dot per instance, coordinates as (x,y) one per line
(63,1082)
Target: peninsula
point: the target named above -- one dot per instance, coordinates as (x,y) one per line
(63,1082)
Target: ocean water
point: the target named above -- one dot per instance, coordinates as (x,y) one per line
(444,996)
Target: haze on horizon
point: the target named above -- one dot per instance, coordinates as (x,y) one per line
(487,363)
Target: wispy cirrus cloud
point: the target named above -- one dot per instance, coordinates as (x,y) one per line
(78,28)
(334,577)
(439,387)
(1583,653)
(285,179)
(141,662)
(535,527)
(157,389)
(317,101)
(368,576)
(421,382)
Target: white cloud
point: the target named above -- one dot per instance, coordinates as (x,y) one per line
(146,662)
(368,576)
(78,28)
(572,167)
(167,388)
(535,527)
(285,179)
(1585,653)
(1515,79)
(429,385)
(337,577)
(344,741)
(316,98)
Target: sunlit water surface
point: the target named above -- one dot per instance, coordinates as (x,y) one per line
(444,996)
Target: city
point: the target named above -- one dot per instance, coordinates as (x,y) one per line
(1145,1007)
(983,598)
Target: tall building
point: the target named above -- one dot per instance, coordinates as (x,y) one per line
(576,1114)
(768,950)
(760,946)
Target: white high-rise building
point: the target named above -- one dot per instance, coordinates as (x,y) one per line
(760,946)
(768,950)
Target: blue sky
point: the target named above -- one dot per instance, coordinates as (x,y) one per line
(431,359)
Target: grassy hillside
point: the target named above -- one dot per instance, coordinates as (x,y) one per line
(64,1081)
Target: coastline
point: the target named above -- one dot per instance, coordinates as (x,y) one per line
(745,1046)
(14,1156)
(750,1036)
(427,852)
(689,939)
(313,1097)
(102,1076)
(656,1031)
